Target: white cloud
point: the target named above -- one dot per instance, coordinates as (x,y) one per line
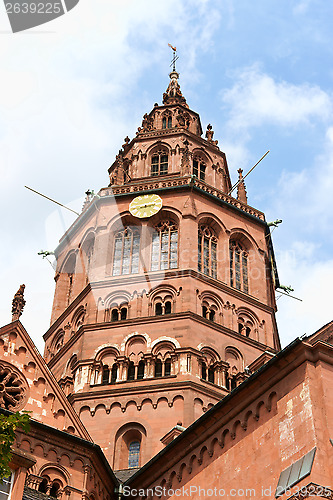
(69,95)
(257,99)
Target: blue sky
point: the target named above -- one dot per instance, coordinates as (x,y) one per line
(259,72)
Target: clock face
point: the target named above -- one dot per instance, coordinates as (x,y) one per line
(145,205)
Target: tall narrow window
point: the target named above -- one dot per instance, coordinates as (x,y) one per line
(158,309)
(158,368)
(126,252)
(106,375)
(131,371)
(169,122)
(211,375)
(207,245)
(141,370)
(167,307)
(133,454)
(203,371)
(199,168)
(164,122)
(164,253)
(238,267)
(114,373)
(5,488)
(167,367)
(159,163)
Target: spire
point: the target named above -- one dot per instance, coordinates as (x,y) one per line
(173,94)
(241,189)
(18,303)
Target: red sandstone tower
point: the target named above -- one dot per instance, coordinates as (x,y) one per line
(164,297)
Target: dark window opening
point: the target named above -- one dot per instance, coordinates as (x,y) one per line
(240,327)
(54,490)
(114,373)
(133,454)
(211,315)
(158,368)
(43,486)
(114,315)
(204,311)
(123,313)
(158,309)
(211,375)
(248,331)
(131,371)
(141,370)
(167,308)
(203,371)
(164,122)
(169,122)
(167,368)
(106,375)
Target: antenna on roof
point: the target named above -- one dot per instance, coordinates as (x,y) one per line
(175,57)
(57,202)
(238,182)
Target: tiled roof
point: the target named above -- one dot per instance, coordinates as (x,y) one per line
(30,494)
(123,475)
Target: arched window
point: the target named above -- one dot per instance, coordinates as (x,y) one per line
(54,490)
(141,370)
(123,313)
(199,168)
(133,454)
(164,122)
(5,488)
(164,253)
(105,375)
(208,312)
(238,267)
(169,122)
(131,371)
(167,307)
(114,315)
(126,252)
(167,367)
(158,368)
(207,245)
(43,486)
(159,163)
(203,371)
(158,309)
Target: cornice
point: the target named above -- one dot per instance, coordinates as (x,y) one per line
(146,387)
(85,329)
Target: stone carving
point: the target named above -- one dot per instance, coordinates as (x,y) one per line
(173,93)
(241,189)
(18,303)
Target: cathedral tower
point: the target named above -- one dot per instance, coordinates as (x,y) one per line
(164,297)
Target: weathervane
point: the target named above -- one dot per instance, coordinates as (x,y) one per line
(175,57)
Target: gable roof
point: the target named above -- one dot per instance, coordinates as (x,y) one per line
(44,397)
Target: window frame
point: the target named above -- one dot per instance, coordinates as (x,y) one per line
(160,154)
(117,268)
(11,477)
(238,266)
(166,232)
(207,247)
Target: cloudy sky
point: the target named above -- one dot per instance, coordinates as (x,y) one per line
(72,89)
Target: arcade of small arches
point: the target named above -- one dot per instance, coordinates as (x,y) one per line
(165,358)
